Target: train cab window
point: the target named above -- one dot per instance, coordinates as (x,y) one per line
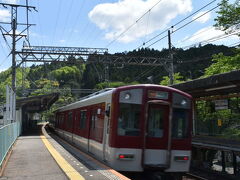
(180,123)
(155,122)
(83,119)
(129,119)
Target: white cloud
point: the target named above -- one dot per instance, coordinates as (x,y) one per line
(11,1)
(62,41)
(202,19)
(4,15)
(116,17)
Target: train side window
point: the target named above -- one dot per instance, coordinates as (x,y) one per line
(61,120)
(70,120)
(129,119)
(83,119)
(94,119)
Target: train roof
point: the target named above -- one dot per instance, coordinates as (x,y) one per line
(100,93)
(109,91)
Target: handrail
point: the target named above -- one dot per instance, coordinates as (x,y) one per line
(8,135)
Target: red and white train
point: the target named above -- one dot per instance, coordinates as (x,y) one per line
(132,128)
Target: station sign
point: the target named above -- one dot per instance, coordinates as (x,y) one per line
(221,104)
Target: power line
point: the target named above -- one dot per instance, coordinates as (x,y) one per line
(67,18)
(187,23)
(77,18)
(212,39)
(3,61)
(56,22)
(132,24)
(174,25)
(208,29)
(196,18)
(144,73)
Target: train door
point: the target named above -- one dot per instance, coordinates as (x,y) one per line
(92,126)
(106,132)
(156,150)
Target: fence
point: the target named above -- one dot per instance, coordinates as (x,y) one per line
(8,135)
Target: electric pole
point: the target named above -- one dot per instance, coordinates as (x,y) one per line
(14,24)
(12,33)
(171,70)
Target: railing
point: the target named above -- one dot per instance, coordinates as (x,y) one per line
(8,135)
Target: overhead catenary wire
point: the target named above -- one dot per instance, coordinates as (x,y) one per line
(56,22)
(186,24)
(77,18)
(40,24)
(212,39)
(194,35)
(174,25)
(4,60)
(144,73)
(129,27)
(67,18)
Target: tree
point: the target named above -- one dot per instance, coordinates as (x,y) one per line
(104,85)
(223,64)
(45,86)
(229,16)
(177,79)
(6,79)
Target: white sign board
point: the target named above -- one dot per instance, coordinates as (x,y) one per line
(221,104)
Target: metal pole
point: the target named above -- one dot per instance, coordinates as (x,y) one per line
(171,70)
(13,55)
(234,157)
(223,162)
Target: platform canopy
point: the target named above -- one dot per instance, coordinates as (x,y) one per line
(220,84)
(38,103)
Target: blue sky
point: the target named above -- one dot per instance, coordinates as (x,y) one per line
(98,23)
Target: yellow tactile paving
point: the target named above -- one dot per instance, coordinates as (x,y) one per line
(64,165)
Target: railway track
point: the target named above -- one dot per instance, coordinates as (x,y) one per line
(190,176)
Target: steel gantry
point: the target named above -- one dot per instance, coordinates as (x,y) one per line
(51,53)
(84,55)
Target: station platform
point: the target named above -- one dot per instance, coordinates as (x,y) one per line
(42,157)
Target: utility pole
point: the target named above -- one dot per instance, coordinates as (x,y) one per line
(14,24)
(15,37)
(171,70)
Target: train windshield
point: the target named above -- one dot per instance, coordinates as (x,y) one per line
(129,119)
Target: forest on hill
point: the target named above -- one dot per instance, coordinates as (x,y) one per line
(70,76)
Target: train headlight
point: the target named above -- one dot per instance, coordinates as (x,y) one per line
(127,96)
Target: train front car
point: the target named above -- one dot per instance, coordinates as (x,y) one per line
(150,129)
